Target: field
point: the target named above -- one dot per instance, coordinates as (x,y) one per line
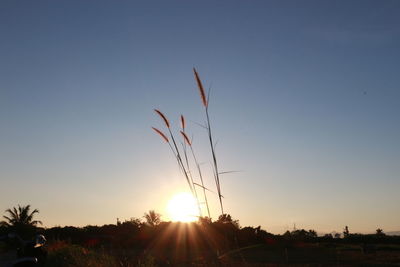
(207,243)
(259,255)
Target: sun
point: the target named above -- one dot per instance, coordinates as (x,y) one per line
(183,208)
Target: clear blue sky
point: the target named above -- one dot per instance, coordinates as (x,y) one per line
(305,102)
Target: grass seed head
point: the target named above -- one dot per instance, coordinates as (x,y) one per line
(201,88)
(163,117)
(187,140)
(161,134)
(183,123)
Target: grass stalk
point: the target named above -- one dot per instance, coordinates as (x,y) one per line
(175,149)
(205,102)
(177,154)
(185,142)
(190,143)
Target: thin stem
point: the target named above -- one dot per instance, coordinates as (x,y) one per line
(201,179)
(179,159)
(216,174)
(190,175)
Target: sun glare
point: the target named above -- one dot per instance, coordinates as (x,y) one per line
(183,208)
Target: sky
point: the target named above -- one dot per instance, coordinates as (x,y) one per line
(304,104)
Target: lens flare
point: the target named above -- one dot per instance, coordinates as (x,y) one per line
(183,208)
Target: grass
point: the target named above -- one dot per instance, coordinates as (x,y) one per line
(187,140)
(174,148)
(182,157)
(62,254)
(67,255)
(205,102)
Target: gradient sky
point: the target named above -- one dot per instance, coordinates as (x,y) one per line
(305,103)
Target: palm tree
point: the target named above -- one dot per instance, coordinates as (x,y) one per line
(379,232)
(20,216)
(152,218)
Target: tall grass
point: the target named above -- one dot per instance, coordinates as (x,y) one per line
(205,102)
(184,143)
(174,148)
(182,157)
(188,142)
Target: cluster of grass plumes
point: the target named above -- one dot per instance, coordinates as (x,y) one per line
(181,154)
(182,163)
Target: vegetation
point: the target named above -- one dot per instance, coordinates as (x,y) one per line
(223,242)
(153,242)
(20,216)
(152,218)
(63,254)
(205,102)
(182,157)
(21,219)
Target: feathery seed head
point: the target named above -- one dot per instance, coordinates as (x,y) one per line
(201,88)
(187,140)
(183,124)
(163,117)
(161,134)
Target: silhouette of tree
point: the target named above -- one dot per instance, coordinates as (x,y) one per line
(134,221)
(152,218)
(346,232)
(379,232)
(301,234)
(226,218)
(328,236)
(204,221)
(287,234)
(21,216)
(312,233)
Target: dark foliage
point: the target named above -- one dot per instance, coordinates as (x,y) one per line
(206,241)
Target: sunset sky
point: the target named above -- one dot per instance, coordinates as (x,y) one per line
(305,103)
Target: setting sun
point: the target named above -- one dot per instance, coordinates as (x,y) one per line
(183,208)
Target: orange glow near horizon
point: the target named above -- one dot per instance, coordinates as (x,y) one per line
(182,207)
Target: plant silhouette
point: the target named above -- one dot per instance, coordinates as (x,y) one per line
(21,216)
(182,157)
(152,218)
